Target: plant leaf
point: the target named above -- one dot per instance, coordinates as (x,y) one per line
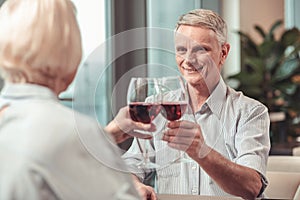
(248,45)
(267,48)
(288,88)
(247,79)
(275,26)
(290,37)
(260,31)
(252,91)
(270,35)
(286,69)
(272,61)
(257,64)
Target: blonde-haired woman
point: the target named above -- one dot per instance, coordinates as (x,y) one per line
(48,151)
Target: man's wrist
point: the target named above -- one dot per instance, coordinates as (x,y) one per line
(204,151)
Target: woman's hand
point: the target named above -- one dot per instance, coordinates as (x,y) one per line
(145,191)
(123,127)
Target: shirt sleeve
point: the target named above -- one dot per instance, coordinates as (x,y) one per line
(253,141)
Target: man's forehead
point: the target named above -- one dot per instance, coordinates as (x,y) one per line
(194,35)
(183,39)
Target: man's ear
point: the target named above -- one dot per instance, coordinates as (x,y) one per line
(224,52)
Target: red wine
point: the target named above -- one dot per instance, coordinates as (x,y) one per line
(173,111)
(143,112)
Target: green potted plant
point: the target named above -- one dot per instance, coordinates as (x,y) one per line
(270,71)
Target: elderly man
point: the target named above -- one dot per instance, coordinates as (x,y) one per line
(228,143)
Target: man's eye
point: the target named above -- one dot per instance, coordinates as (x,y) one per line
(180,50)
(200,50)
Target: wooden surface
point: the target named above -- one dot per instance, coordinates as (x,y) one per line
(200,197)
(193,197)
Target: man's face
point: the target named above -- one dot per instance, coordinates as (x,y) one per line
(199,55)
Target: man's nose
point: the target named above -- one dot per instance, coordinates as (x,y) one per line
(190,58)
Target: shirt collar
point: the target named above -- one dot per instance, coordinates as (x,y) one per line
(217,98)
(25,90)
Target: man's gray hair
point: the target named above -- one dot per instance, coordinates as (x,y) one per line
(207,19)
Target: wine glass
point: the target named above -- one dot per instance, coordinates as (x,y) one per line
(175,104)
(143,100)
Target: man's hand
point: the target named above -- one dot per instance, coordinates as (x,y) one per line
(186,136)
(123,127)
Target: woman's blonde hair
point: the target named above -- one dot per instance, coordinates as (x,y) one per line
(207,19)
(39,40)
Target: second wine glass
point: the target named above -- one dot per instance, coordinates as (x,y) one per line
(175,104)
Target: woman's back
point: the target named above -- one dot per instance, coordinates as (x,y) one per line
(54,151)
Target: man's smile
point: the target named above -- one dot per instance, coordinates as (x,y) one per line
(192,69)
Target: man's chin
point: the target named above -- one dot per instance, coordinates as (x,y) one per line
(192,77)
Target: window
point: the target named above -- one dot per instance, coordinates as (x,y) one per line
(87,92)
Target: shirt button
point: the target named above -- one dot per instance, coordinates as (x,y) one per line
(194,167)
(194,191)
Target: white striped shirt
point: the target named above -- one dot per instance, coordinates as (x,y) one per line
(232,124)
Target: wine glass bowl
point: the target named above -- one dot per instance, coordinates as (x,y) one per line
(143,112)
(173,111)
(174,98)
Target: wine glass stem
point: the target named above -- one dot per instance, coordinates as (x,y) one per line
(144,152)
(146,156)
